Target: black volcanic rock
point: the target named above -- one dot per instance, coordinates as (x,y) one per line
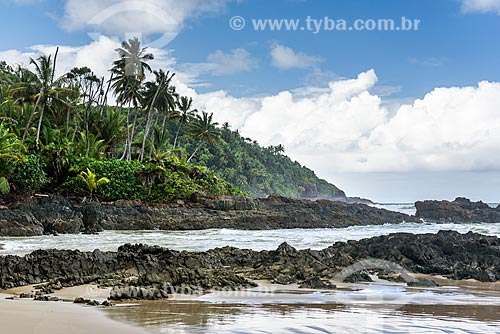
(18,223)
(447,253)
(461,210)
(59,215)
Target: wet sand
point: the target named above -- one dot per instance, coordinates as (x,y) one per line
(31,317)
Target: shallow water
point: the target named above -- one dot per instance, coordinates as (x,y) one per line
(370,308)
(208,239)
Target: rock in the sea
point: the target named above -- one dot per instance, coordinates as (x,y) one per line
(59,215)
(461,210)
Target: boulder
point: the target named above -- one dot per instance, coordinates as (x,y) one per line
(18,223)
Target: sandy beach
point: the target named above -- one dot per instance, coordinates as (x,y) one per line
(31,317)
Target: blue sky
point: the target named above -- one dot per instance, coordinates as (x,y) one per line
(362,132)
(450,48)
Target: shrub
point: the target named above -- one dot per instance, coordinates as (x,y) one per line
(149,182)
(29,177)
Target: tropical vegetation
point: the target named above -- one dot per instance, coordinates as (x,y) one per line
(73,132)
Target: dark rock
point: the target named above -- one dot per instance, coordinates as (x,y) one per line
(461,210)
(421,282)
(27,295)
(363,276)
(106,303)
(152,272)
(317,283)
(18,223)
(81,300)
(58,215)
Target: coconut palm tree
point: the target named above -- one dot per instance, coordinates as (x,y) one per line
(204,129)
(184,105)
(133,59)
(128,76)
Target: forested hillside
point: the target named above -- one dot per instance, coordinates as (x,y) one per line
(60,134)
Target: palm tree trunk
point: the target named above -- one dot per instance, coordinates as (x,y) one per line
(39,128)
(148,122)
(67,121)
(195,151)
(30,119)
(129,154)
(177,133)
(125,150)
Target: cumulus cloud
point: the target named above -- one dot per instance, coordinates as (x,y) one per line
(481,6)
(286,58)
(349,129)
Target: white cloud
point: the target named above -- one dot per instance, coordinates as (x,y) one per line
(286,58)
(117,18)
(347,128)
(481,6)
(222,63)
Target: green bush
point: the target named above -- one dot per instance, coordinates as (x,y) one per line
(149,182)
(29,177)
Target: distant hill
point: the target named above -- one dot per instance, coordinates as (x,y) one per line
(262,171)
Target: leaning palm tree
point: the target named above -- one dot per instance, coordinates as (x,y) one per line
(11,151)
(204,129)
(185,112)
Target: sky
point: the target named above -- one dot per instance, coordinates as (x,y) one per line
(394,115)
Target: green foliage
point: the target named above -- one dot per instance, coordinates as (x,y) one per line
(92,181)
(11,153)
(149,182)
(261,171)
(29,177)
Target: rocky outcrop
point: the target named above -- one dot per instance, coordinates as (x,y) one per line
(244,213)
(18,223)
(461,210)
(161,271)
(60,215)
(56,214)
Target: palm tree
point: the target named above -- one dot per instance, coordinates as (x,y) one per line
(204,129)
(128,75)
(133,59)
(11,151)
(49,90)
(92,181)
(157,95)
(184,104)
